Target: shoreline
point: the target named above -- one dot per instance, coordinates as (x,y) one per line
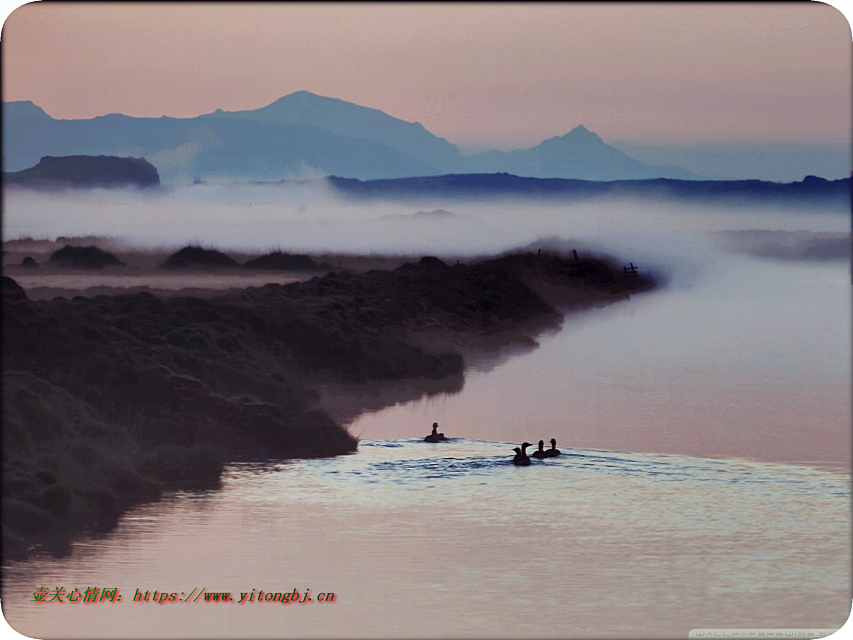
(109,398)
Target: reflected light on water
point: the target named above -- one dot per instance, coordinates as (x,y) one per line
(451,539)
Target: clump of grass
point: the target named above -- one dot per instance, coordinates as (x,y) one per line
(197,257)
(283,261)
(84,258)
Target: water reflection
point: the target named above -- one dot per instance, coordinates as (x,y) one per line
(604,541)
(753,361)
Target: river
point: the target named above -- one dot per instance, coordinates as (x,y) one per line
(704,483)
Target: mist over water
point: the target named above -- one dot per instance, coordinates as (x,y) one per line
(311,218)
(737,355)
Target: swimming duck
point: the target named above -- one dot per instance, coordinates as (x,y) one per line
(435,436)
(540,452)
(553,451)
(521,458)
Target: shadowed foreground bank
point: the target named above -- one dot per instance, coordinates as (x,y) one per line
(108,398)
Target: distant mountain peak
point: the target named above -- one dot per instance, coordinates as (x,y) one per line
(307,94)
(304,96)
(581,134)
(356,121)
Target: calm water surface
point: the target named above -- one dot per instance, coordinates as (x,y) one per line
(421,540)
(748,359)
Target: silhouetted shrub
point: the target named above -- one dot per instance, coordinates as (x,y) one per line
(83,258)
(194,257)
(432,262)
(284,261)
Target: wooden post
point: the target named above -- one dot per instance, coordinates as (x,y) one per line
(576,255)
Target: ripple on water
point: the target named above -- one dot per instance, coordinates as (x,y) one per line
(409,471)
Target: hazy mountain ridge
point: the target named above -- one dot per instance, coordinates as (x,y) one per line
(349,119)
(580,154)
(297,132)
(811,190)
(205,145)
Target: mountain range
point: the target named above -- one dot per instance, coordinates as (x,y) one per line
(299,133)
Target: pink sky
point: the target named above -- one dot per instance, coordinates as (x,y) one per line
(499,74)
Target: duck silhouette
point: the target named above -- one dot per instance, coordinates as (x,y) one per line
(521,458)
(435,436)
(540,452)
(553,451)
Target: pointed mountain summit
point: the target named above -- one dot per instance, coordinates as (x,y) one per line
(580,135)
(580,154)
(349,119)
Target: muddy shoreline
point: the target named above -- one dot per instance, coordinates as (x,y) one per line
(109,398)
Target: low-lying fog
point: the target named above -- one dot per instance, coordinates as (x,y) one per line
(310,218)
(745,353)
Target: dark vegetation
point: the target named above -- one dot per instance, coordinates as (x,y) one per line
(11,290)
(284,261)
(108,398)
(195,257)
(82,258)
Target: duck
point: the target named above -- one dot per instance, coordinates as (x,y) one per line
(521,458)
(435,436)
(540,452)
(553,451)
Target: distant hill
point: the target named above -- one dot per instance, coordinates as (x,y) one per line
(207,146)
(580,154)
(811,191)
(84,258)
(299,131)
(90,171)
(355,121)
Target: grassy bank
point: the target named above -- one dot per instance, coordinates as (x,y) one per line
(106,399)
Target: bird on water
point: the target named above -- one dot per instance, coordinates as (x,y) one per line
(553,451)
(435,436)
(540,452)
(521,458)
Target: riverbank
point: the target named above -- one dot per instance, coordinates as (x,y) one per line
(108,398)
